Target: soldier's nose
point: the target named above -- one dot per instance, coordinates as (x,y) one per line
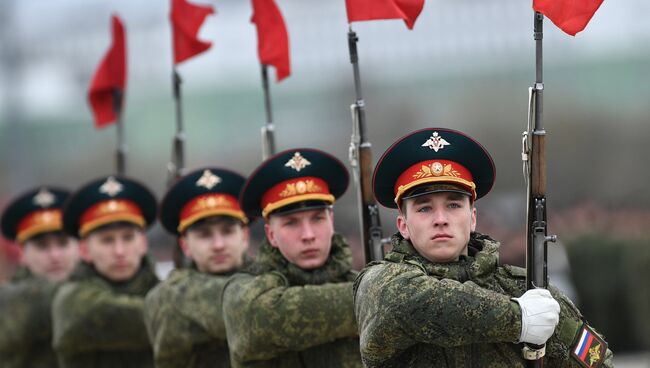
(119,248)
(307,232)
(439,218)
(217,242)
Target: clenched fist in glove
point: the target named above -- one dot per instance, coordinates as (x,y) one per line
(540,314)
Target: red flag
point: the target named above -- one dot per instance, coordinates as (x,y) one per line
(186,20)
(109,76)
(272,37)
(408,10)
(571,16)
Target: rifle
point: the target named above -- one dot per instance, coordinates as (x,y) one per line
(534,159)
(176,166)
(268,129)
(120,152)
(360,156)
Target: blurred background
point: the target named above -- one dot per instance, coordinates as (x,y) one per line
(467,65)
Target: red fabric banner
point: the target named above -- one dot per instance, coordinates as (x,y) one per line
(109,77)
(571,16)
(186,20)
(407,10)
(272,37)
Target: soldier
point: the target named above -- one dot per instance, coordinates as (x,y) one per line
(440,297)
(98,317)
(49,256)
(293,306)
(183,314)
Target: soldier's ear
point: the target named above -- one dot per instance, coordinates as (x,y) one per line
(245,235)
(144,242)
(473,219)
(182,241)
(401,226)
(270,235)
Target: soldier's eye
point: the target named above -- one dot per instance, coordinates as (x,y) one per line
(290,223)
(203,234)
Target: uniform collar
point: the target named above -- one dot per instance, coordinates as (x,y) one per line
(336,269)
(482,258)
(139,284)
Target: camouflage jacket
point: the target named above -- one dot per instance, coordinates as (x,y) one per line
(184,320)
(25,322)
(415,313)
(278,315)
(98,323)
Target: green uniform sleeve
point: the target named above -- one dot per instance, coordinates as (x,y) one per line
(182,315)
(399,305)
(266,318)
(202,295)
(25,314)
(564,339)
(89,316)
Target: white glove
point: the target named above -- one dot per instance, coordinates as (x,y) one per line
(540,313)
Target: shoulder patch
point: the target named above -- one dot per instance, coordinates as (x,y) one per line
(588,348)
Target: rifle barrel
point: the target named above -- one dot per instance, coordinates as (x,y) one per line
(268,129)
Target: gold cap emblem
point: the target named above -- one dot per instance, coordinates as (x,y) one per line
(208,180)
(436,142)
(297,162)
(436,168)
(44,198)
(111,187)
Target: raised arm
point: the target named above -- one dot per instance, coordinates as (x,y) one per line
(25,314)
(265,318)
(88,316)
(183,314)
(398,306)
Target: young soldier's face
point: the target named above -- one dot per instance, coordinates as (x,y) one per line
(304,238)
(115,252)
(51,255)
(216,246)
(438,225)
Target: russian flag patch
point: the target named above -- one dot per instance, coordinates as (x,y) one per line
(589,349)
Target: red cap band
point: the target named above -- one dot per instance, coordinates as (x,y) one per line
(212,204)
(295,190)
(38,222)
(106,212)
(434,171)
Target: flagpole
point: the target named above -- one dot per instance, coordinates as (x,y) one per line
(268,129)
(120,154)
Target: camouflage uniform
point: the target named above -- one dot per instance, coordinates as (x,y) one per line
(184,320)
(278,315)
(98,323)
(414,313)
(25,323)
